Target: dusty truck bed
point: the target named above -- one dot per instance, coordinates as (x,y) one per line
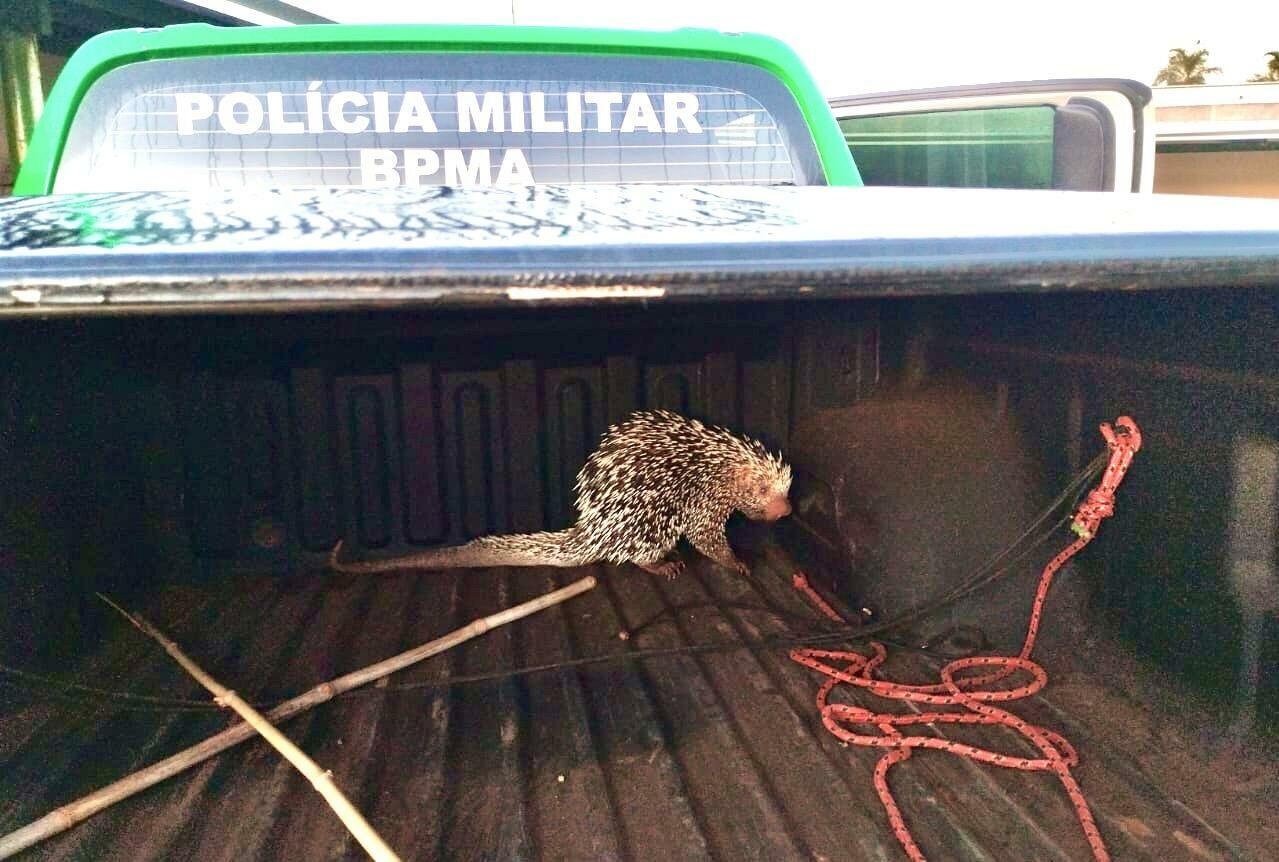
(415,369)
(710,755)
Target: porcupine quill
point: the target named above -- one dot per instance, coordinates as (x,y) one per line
(654,477)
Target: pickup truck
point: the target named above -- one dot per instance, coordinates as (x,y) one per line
(1082,134)
(1092,134)
(261,292)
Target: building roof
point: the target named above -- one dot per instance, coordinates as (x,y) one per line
(1217,113)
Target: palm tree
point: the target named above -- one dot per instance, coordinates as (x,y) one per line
(1272,68)
(1186,67)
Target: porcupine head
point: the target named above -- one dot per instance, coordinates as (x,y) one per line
(761,485)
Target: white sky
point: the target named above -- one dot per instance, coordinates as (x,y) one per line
(855,47)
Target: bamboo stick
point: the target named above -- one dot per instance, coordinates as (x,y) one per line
(63,818)
(350,816)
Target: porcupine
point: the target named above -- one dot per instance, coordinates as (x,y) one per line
(654,477)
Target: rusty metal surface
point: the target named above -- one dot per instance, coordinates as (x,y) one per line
(716,755)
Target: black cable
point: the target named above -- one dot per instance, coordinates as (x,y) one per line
(994,569)
(821,637)
(985,575)
(124,700)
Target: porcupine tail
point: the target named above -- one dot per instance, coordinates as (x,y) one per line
(561,548)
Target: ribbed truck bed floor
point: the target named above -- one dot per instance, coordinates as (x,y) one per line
(712,755)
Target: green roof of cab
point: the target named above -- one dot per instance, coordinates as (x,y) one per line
(108,51)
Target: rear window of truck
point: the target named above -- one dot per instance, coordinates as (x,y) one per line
(413,119)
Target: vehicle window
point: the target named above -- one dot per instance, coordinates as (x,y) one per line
(427,119)
(984,148)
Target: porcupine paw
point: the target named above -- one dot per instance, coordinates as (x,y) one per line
(669,568)
(741,568)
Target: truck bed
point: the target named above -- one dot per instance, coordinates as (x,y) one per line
(711,755)
(196,405)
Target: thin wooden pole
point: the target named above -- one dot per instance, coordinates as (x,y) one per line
(350,816)
(63,818)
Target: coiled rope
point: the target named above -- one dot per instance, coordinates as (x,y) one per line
(970,692)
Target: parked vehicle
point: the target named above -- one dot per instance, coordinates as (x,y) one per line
(1082,135)
(1074,135)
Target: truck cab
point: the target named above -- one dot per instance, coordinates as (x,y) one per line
(1070,134)
(202,107)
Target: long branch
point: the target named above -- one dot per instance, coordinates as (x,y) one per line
(319,778)
(66,816)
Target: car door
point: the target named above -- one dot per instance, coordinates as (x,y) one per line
(1080,135)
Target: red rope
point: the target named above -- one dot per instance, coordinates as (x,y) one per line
(970,692)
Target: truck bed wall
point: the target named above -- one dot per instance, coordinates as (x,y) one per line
(150,451)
